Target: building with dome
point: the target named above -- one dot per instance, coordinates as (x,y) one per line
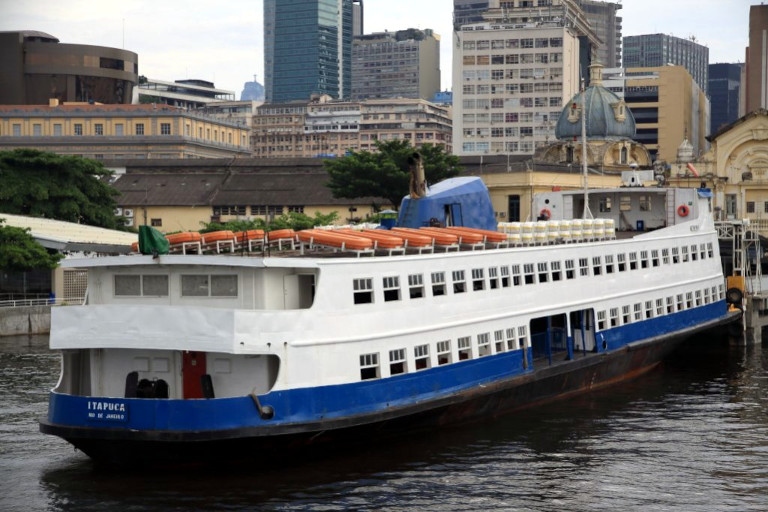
(610,129)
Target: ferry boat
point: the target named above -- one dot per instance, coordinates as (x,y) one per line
(254,353)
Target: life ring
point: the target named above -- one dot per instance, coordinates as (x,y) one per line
(545,213)
(683,210)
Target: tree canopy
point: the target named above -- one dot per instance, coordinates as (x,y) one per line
(291,220)
(19,251)
(385,174)
(67,188)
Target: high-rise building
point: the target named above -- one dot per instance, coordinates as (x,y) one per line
(513,72)
(756,84)
(307,48)
(668,105)
(724,92)
(607,25)
(654,50)
(402,64)
(469,11)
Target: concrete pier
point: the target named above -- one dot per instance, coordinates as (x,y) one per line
(25,320)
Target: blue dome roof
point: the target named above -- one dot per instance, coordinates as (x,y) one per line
(607,116)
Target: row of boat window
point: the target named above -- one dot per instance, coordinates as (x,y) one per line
(192,285)
(530,273)
(615,317)
(485,344)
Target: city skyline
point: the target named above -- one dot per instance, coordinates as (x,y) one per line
(194,39)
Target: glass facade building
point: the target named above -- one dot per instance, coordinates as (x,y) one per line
(724,90)
(655,50)
(307,48)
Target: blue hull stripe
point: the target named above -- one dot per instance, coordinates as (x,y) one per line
(327,402)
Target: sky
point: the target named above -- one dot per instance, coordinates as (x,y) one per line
(223,42)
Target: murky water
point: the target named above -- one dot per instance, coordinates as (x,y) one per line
(691,436)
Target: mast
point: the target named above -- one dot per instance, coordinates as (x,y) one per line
(587,213)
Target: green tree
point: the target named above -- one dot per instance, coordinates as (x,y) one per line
(19,251)
(385,173)
(292,220)
(67,188)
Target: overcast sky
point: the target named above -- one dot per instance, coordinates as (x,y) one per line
(223,41)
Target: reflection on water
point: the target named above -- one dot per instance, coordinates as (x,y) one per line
(691,436)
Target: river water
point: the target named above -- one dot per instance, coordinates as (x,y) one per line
(691,435)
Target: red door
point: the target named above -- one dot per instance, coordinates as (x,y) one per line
(193,367)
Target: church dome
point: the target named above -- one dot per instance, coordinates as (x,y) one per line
(607,115)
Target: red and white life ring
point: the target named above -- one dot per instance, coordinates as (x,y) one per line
(545,213)
(683,210)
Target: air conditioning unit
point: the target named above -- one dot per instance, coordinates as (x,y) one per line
(129,222)
(128,212)
(118,212)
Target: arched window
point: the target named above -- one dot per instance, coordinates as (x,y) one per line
(624,155)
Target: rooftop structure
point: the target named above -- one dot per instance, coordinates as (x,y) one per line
(186,94)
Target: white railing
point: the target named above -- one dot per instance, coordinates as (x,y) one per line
(20,303)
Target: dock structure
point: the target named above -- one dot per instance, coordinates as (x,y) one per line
(744,271)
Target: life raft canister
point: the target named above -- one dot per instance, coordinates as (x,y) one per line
(683,210)
(545,213)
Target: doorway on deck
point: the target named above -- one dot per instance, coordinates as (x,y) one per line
(549,340)
(583,331)
(192,370)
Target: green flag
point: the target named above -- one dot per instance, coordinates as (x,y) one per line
(151,241)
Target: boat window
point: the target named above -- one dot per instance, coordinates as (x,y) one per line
(128,285)
(391,288)
(655,257)
(605,204)
(633,261)
(505,276)
(649,308)
(702,251)
(625,318)
(416,286)
(556,274)
(522,336)
(684,250)
(498,340)
(675,255)
(609,263)
(597,266)
(622,262)
(543,269)
(665,256)
(706,295)
(694,253)
(154,285)
(465,348)
(688,300)
(194,286)
(698,297)
(483,344)
(638,310)
(645,203)
(583,267)
(614,317)
(660,307)
(601,320)
(444,352)
(421,356)
(223,286)
(397,361)
(511,340)
(625,203)
(369,366)
(680,303)
(459,284)
(528,272)
(438,283)
(516,280)
(493,278)
(569,272)
(670,305)
(363,290)
(644,259)
(478,279)
(721,289)
(710,252)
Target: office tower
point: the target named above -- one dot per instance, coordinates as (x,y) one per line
(307,49)
(757,59)
(654,50)
(607,25)
(724,92)
(402,64)
(357,18)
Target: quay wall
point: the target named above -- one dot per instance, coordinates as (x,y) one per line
(16,321)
